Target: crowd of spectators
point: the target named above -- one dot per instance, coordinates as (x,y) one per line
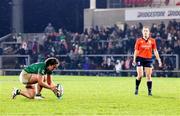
(110,40)
(73,48)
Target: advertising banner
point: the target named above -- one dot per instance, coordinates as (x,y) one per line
(152,14)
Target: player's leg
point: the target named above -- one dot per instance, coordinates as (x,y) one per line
(38,89)
(29,92)
(139,70)
(28,80)
(148,71)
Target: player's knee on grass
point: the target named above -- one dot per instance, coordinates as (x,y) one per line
(31,91)
(31,94)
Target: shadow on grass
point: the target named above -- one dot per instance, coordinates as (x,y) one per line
(163,97)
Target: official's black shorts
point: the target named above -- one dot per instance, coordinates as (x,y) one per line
(145,62)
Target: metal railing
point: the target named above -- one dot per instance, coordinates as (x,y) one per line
(13,61)
(5,37)
(79,71)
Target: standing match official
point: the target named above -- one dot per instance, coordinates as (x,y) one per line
(144,47)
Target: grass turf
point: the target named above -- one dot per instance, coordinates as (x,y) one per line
(95,96)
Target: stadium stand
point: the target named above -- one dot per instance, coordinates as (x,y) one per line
(135,3)
(74,48)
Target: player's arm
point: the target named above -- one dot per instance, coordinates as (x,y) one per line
(134,57)
(44,84)
(50,81)
(59,90)
(136,50)
(157,57)
(156,53)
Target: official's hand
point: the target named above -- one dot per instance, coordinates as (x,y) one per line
(160,63)
(134,63)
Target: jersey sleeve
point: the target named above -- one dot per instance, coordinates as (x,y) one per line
(49,72)
(41,71)
(154,45)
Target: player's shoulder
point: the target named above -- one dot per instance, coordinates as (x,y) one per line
(38,64)
(139,39)
(42,63)
(152,39)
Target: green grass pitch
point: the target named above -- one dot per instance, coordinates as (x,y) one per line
(95,96)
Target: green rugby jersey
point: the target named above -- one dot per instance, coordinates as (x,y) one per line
(37,68)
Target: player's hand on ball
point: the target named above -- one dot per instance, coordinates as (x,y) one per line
(58,91)
(54,89)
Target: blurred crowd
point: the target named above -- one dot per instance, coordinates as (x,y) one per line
(73,48)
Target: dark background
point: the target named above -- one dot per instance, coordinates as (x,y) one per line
(66,14)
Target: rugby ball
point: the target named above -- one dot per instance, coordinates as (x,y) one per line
(60,91)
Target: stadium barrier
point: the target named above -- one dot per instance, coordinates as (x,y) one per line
(14,70)
(13,64)
(163,56)
(171,60)
(5,37)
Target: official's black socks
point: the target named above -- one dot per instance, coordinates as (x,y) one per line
(149,85)
(137,83)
